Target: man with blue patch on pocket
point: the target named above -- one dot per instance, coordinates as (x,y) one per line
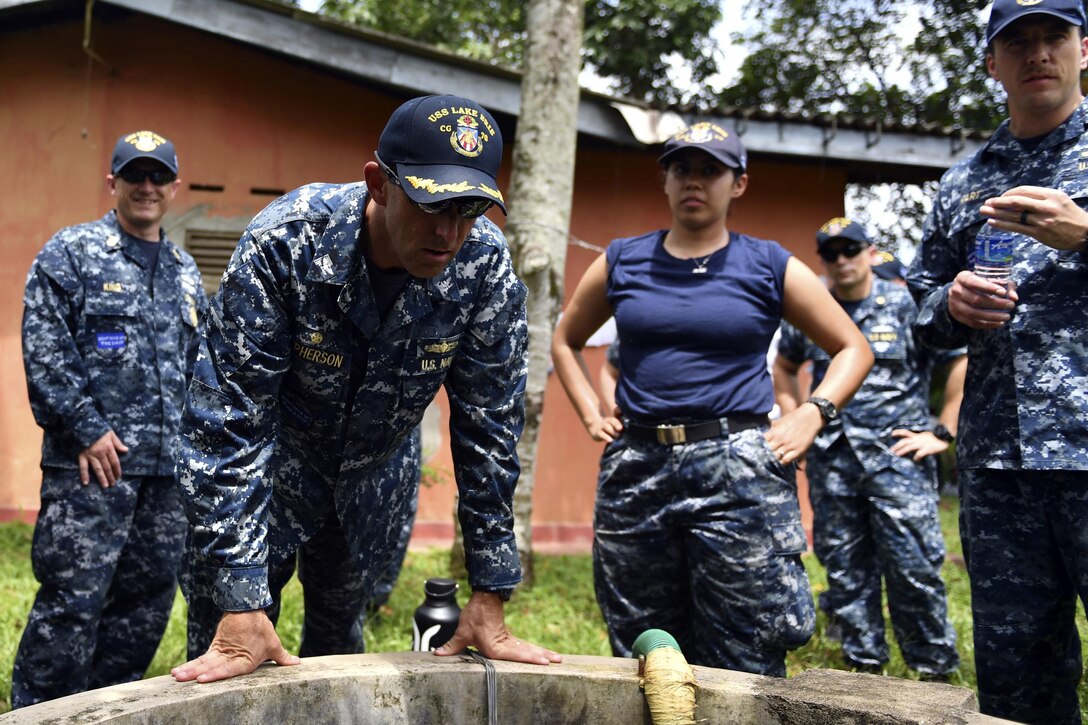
(110,336)
(872,473)
(1022,453)
(342,312)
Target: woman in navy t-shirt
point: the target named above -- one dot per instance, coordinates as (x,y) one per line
(697,529)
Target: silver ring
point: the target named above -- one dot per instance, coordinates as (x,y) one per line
(1024,217)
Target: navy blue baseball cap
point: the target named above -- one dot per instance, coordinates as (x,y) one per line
(143,145)
(841,228)
(887,266)
(715,140)
(1005,12)
(443,147)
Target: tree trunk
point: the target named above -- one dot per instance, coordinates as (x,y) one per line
(541,190)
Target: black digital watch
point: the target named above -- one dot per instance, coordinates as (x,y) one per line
(943,433)
(827,409)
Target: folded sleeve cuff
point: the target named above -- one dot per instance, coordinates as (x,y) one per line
(493,567)
(90,428)
(936,326)
(242,590)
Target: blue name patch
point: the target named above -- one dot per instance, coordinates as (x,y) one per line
(111,341)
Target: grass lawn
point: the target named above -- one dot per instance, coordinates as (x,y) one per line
(560,612)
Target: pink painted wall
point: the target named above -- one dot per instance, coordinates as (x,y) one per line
(241,119)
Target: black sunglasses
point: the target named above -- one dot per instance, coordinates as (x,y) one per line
(467,209)
(851,250)
(159,177)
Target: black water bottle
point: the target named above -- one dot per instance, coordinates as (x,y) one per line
(436,619)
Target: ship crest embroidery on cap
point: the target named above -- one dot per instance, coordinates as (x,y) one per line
(835,226)
(704,132)
(466,138)
(145,141)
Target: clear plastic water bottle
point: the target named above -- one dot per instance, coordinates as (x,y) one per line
(993,254)
(435,621)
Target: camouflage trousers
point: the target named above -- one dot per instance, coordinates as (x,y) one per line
(334,606)
(384,588)
(107,562)
(702,540)
(1026,546)
(341,561)
(883,525)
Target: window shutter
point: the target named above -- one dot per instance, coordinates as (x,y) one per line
(212,251)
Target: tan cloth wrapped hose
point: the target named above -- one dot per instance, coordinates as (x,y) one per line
(665,678)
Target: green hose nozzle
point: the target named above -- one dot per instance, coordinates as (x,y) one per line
(666,678)
(652,639)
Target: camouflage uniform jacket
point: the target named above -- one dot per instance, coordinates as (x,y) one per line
(102,353)
(268,415)
(1026,397)
(895,394)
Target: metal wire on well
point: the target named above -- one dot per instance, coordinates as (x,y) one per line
(492,686)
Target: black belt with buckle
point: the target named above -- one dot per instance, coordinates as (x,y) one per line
(674,434)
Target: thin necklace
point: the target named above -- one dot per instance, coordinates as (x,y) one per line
(700,264)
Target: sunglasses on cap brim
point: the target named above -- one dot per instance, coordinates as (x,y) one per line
(468,209)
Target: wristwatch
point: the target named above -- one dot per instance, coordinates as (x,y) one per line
(503,594)
(828,411)
(943,433)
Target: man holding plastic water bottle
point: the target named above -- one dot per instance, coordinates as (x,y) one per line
(1023,435)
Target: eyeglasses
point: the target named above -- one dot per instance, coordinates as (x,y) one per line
(159,177)
(470,209)
(851,250)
